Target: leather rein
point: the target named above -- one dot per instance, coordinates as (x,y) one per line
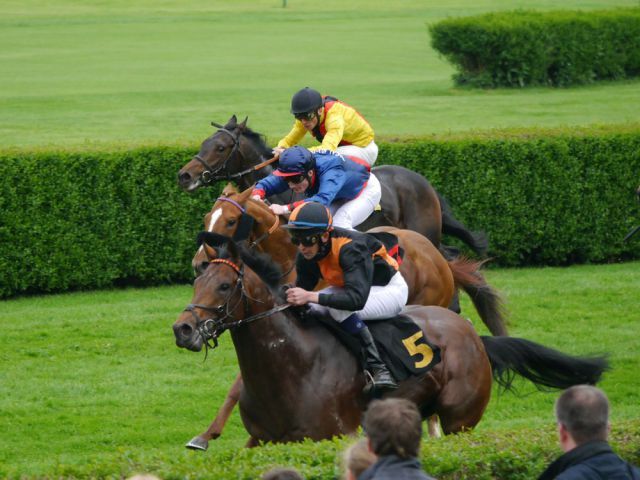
(210,175)
(211,328)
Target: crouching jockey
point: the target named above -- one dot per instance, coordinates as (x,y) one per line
(344,184)
(364,280)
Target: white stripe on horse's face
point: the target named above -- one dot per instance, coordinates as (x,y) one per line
(212,221)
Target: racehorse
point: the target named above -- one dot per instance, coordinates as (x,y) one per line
(235,152)
(432,280)
(300,382)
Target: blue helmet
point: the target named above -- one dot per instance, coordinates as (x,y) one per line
(294,161)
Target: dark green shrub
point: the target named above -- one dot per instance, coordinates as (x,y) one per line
(72,220)
(559,48)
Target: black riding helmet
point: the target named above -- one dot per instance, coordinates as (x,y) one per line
(310,218)
(305,101)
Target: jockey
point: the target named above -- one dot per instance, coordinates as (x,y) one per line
(364,280)
(344,184)
(337,126)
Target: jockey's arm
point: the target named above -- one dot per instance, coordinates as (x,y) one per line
(293,137)
(331,181)
(270,185)
(357,269)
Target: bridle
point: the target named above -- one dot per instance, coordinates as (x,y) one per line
(246,222)
(210,175)
(211,328)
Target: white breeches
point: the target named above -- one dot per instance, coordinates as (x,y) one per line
(352,213)
(383,301)
(368,153)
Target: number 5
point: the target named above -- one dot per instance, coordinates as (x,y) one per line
(410,343)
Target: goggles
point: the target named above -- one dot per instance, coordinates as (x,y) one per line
(295,179)
(305,241)
(305,115)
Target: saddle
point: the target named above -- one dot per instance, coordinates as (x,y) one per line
(401,343)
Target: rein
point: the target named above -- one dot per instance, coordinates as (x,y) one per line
(211,328)
(210,175)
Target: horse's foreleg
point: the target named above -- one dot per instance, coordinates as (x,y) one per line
(434,426)
(252,443)
(201,442)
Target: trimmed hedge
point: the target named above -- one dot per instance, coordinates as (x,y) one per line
(502,455)
(559,48)
(71,220)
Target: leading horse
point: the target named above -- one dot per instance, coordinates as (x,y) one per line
(301,382)
(235,152)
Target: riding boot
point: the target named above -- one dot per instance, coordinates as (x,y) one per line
(382,378)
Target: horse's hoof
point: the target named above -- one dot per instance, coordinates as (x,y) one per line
(197,443)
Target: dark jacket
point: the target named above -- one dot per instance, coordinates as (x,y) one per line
(395,468)
(590,461)
(352,260)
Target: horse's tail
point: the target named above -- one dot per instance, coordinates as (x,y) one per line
(545,367)
(466,274)
(478,241)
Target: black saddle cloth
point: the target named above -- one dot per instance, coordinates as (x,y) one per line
(400,341)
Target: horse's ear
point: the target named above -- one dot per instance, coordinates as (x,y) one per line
(244,195)
(229,190)
(233,122)
(243,125)
(217,125)
(214,240)
(233,251)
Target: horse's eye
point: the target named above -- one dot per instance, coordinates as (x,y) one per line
(231,222)
(224,287)
(221,148)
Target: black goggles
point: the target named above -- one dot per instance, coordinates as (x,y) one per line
(305,115)
(295,179)
(305,241)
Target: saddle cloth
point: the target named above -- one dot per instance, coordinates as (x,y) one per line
(400,341)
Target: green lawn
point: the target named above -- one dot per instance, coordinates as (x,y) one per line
(93,381)
(85,73)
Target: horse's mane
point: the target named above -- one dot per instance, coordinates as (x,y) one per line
(261,263)
(257,140)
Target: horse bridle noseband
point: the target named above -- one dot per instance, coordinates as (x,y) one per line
(211,328)
(211,174)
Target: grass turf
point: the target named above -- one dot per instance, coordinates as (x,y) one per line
(81,74)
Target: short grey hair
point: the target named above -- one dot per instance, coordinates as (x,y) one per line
(584,412)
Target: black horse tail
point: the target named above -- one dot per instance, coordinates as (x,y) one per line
(466,274)
(545,367)
(478,241)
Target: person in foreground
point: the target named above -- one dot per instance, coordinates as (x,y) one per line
(582,414)
(356,459)
(337,126)
(394,429)
(365,282)
(280,473)
(344,184)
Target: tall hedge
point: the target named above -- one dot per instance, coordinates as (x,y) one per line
(73,220)
(559,48)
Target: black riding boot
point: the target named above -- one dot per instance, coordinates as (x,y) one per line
(382,378)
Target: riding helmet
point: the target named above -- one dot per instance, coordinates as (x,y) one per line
(310,218)
(306,100)
(294,161)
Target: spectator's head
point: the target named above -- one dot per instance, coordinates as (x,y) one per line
(394,427)
(582,413)
(357,458)
(279,473)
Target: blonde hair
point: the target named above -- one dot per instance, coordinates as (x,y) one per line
(357,458)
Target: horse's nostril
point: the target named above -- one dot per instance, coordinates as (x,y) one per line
(183,330)
(184,177)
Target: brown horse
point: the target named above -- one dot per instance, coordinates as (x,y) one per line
(286,363)
(432,280)
(235,152)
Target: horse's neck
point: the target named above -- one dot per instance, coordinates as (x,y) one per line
(250,158)
(277,244)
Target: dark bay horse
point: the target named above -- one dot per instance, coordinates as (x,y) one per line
(431,278)
(287,363)
(235,152)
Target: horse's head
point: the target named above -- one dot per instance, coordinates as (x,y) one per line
(217,296)
(236,216)
(216,153)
